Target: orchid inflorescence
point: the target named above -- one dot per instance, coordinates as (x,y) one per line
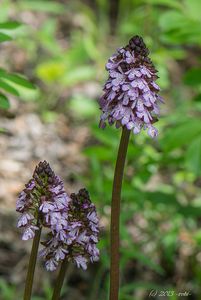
(72,221)
(131,94)
(77,239)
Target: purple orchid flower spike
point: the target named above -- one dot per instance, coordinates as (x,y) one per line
(131,94)
(77,240)
(43,202)
(130,100)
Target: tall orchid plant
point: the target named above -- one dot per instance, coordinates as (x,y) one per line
(130,100)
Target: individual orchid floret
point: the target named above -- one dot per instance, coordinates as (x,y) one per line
(43,202)
(77,241)
(130,95)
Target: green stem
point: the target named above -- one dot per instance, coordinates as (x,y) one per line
(32,264)
(115,214)
(60,280)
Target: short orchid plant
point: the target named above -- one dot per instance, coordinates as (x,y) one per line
(71,221)
(131,101)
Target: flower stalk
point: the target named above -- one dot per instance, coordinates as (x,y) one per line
(31,266)
(115,214)
(60,280)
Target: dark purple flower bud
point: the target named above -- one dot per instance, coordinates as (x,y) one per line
(78,238)
(130,95)
(43,202)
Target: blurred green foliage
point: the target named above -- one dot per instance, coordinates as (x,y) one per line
(10,82)
(161,201)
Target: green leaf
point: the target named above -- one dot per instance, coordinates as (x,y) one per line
(10,25)
(179,28)
(172,19)
(159,197)
(189,211)
(193,156)
(197,98)
(107,136)
(168,3)
(100,152)
(7,291)
(8,88)
(82,106)
(51,71)
(43,6)
(4,37)
(193,8)
(2,72)
(4,103)
(197,236)
(193,77)
(18,80)
(80,74)
(181,135)
(143,259)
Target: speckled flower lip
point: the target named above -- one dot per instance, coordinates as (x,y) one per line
(131,94)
